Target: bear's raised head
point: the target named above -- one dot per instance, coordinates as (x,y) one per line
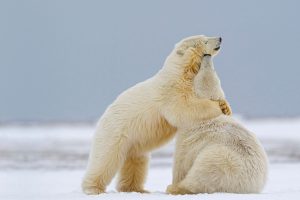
(199,43)
(185,59)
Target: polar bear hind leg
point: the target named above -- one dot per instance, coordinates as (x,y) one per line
(133,174)
(216,169)
(106,157)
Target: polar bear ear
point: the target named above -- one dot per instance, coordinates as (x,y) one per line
(181,50)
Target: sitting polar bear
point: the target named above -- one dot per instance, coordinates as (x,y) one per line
(217,154)
(147,115)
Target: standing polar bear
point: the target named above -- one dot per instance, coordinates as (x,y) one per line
(147,115)
(217,154)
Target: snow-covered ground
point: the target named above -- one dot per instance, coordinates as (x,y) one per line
(284,183)
(47,162)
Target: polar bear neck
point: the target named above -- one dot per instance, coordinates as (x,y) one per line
(207,83)
(217,123)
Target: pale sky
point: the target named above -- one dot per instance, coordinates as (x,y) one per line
(68,60)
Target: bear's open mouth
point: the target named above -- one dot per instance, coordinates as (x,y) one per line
(216,49)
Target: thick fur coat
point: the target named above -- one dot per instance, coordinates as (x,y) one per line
(217,154)
(146,116)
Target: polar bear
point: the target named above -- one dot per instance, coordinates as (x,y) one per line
(217,154)
(147,115)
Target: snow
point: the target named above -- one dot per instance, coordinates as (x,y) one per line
(48,161)
(284,183)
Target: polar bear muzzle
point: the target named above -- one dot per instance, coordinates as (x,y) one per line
(216,49)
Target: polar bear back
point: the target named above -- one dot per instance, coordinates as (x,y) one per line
(223,156)
(223,130)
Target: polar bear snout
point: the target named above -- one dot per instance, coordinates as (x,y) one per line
(212,45)
(218,44)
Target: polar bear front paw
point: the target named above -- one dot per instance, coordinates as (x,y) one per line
(171,189)
(225,107)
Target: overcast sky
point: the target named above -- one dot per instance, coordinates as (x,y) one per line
(68,60)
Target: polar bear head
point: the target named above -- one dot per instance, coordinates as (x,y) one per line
(185,59)
(200,44)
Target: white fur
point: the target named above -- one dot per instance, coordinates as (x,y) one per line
(207,83)
(146,116)
(218,154)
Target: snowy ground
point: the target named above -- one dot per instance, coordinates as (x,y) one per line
(284,183)
(47,162)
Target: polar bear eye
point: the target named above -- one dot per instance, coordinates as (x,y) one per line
(197,44)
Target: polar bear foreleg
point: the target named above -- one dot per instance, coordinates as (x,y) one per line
(179,171)
(133,174)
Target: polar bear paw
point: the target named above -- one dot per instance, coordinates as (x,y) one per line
(92,189)
(176,190)
(225,107)
(139,190)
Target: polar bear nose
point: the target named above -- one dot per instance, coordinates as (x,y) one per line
(220,39)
